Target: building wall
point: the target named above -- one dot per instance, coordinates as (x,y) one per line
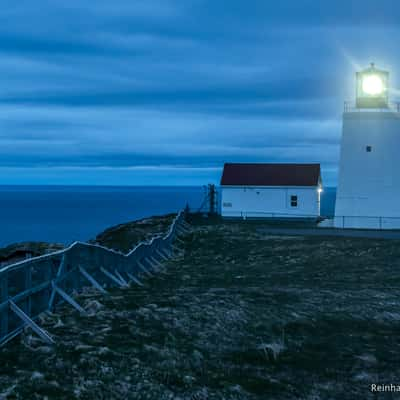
(368,193)
(267,202)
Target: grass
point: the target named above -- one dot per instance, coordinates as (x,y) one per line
(123,237)
(241,315)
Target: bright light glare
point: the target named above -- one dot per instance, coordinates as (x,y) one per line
(372,85)
(320,190)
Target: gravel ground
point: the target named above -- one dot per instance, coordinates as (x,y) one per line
(238,315)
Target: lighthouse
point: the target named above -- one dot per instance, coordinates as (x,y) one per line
(368,192)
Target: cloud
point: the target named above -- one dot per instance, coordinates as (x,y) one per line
(134,85)
(186,141)
(164,175)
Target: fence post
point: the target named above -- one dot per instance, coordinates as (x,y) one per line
(4,310)
(75,280)
(27,286)
(46,296)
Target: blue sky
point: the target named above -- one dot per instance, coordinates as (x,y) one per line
(164,92)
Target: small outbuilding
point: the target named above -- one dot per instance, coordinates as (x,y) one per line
(271,190)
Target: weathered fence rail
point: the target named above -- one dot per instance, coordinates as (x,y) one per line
(36,285)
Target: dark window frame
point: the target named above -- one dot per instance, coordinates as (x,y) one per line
(294,200)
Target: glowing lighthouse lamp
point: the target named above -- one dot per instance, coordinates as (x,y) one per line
(372,85)
(372,88)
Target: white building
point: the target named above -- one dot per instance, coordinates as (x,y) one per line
(271,190)
(368,193)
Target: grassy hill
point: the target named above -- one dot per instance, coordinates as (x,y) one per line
(239,315)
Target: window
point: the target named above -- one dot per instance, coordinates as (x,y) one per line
(226,205)
(368,149)
(293,201)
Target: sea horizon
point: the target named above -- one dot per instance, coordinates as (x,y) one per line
(64,214)
(67,213)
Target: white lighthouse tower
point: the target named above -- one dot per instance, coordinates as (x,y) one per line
(368,193)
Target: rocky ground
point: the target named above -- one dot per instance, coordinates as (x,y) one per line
(238,315)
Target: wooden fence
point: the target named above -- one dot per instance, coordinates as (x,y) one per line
(33,286)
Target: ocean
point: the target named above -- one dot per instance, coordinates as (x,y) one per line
(63,214)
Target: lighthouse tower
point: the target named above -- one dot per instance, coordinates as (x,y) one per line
(368,193)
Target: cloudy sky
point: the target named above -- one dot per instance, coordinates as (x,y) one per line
(164,92)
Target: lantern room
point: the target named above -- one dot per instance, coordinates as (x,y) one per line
(372,88)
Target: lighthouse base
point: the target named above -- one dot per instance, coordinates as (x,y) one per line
(366,222)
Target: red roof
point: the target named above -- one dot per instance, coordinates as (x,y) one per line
(271,175)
